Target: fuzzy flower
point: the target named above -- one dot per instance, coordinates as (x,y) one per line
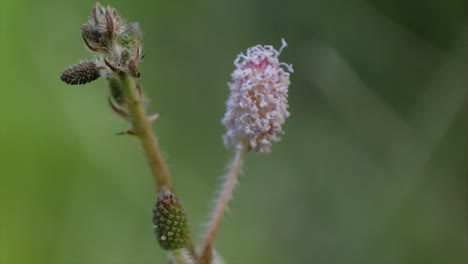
(258,103)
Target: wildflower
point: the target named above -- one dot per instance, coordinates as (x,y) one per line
(257,106)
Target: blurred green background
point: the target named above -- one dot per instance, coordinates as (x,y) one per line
(373,167)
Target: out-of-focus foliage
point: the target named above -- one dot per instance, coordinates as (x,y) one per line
(372,169)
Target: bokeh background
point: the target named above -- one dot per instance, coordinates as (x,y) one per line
(373,167)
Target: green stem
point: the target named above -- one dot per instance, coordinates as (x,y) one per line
(180,257)
(230,182)
(142,129)
(141,126)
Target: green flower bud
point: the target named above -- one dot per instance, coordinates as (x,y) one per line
(116,91)
(170,222)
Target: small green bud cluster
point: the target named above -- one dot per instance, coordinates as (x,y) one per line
(170,222)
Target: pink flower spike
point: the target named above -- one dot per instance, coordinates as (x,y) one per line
(257,106)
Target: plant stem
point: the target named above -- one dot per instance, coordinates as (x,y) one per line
(142,128)
(180,257)
(230,182)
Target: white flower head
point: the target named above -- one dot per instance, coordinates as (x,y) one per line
(258,104)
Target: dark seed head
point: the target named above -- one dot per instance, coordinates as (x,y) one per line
(80,73)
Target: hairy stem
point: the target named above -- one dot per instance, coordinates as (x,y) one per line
(180,257)
(142,128)
(225,196)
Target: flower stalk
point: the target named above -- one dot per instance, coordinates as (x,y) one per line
(256,111)
(181,256)
(230,182)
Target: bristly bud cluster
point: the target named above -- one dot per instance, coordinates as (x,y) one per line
(103,27)
(257,106)
(118,51)
(170,222)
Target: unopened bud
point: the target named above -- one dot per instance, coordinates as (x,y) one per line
(93,38)
(116,91)
(133,68)
(170,222)
(102,29)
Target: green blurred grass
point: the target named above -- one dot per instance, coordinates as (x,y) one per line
(372,169)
